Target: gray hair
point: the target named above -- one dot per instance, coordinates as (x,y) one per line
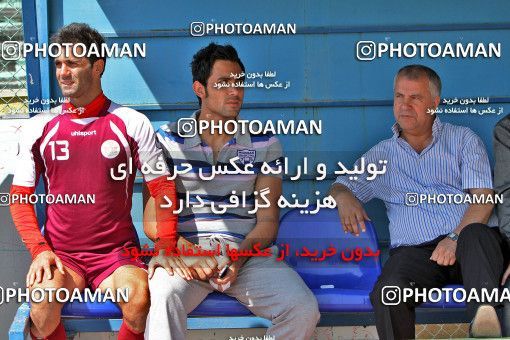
(417,71)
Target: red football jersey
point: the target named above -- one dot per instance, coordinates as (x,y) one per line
(75,156)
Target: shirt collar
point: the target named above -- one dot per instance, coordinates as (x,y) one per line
(239,138)
(95,108)
(437,126)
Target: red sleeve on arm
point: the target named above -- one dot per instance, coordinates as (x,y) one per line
(23,215)
(166,227)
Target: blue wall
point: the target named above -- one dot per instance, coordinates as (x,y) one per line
(352,97)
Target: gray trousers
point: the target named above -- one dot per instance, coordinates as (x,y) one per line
(268,288)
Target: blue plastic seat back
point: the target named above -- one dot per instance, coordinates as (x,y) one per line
(353,264)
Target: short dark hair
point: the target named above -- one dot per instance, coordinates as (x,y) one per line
(81,33)
(417,71)
(203,61)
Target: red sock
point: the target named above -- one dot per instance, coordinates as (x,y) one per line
(58,333)
(126,333)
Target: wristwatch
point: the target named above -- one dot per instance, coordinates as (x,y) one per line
(453,236)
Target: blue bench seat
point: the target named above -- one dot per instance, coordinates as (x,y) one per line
(340,284)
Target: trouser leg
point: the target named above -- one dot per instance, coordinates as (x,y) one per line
(172,298)
(407,267)
(273,290)
(480,256)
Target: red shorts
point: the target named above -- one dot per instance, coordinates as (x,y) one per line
(95,267)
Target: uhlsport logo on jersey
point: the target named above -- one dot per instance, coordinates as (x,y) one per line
(110,149)
(83,133)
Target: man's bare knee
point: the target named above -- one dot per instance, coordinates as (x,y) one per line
(43,305)
(136,308)
(43,294)
(45,314)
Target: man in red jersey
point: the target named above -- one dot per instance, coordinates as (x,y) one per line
(75,147)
